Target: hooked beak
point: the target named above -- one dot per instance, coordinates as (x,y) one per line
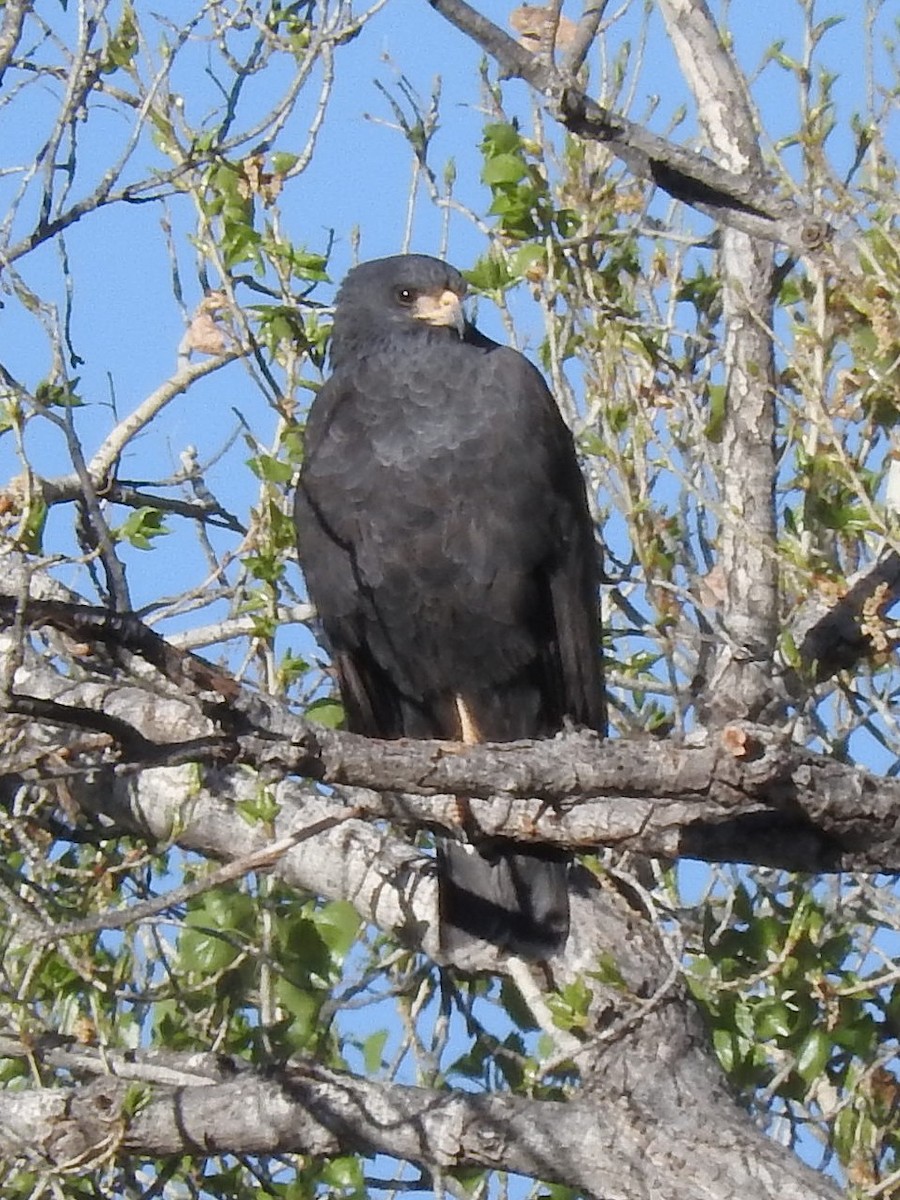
(445,309)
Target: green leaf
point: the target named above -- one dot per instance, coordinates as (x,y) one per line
(510,1065)
(500,138)
(262,809)
(742,1017)
(372,1051)
(310,266)
(205,952)
(724,1045)
(789,650)
(557,1191)
(527,257)
(31,531)
(219,910)
(856,1032)
(301,948)
(514,208)
(784,60)
(303,1006)
(282,162)
(489,274)
(266,567)
(338,924)
(58,395)
(608,972)
(123,45)
(142,526)
(137,1097)
(345,1173)
(814,1054)
(772,1019)
(470,1179)
(515,1006)
(819,31)
(271,470)
(10,415)
(568,222)
(291,667)
(240,241)
(471,1065)
(504,169)
(327,712)
(12,1069)
(570,1005)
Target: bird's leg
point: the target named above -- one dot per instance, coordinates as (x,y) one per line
(470,734)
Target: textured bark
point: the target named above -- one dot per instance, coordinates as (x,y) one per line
(742,685)
(654,1117)
(593,1145)
(742,681)
(831,637)
(743,794)
(14,14)
(850,820)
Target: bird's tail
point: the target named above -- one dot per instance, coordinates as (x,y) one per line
(503,894)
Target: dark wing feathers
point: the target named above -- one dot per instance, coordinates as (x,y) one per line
(570,573)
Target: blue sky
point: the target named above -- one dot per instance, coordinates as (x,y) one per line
(127,325)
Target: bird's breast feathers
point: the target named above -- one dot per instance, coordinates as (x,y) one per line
(422,409)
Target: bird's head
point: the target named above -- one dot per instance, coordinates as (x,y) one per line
(397,295)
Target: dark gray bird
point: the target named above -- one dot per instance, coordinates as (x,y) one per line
(447,545)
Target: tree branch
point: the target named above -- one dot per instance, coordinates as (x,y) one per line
(14,14)
(593,1144)
(832,637)
(742,684)
(67,487)
(744,201)
(642,1036)
(745,794)
(585,32)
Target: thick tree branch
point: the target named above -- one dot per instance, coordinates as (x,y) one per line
(742,683)
(832,637)
(304,1108)
(744,794)
(778,806)
(743,201)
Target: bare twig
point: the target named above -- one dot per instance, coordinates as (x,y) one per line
(259,860)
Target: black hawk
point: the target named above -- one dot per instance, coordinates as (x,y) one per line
(445,537)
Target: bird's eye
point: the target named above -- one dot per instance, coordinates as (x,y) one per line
(405,295)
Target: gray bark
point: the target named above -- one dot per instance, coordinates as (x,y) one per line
(741,685)
(653,1116)
(741,794)
(14,14)
(594,1144)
